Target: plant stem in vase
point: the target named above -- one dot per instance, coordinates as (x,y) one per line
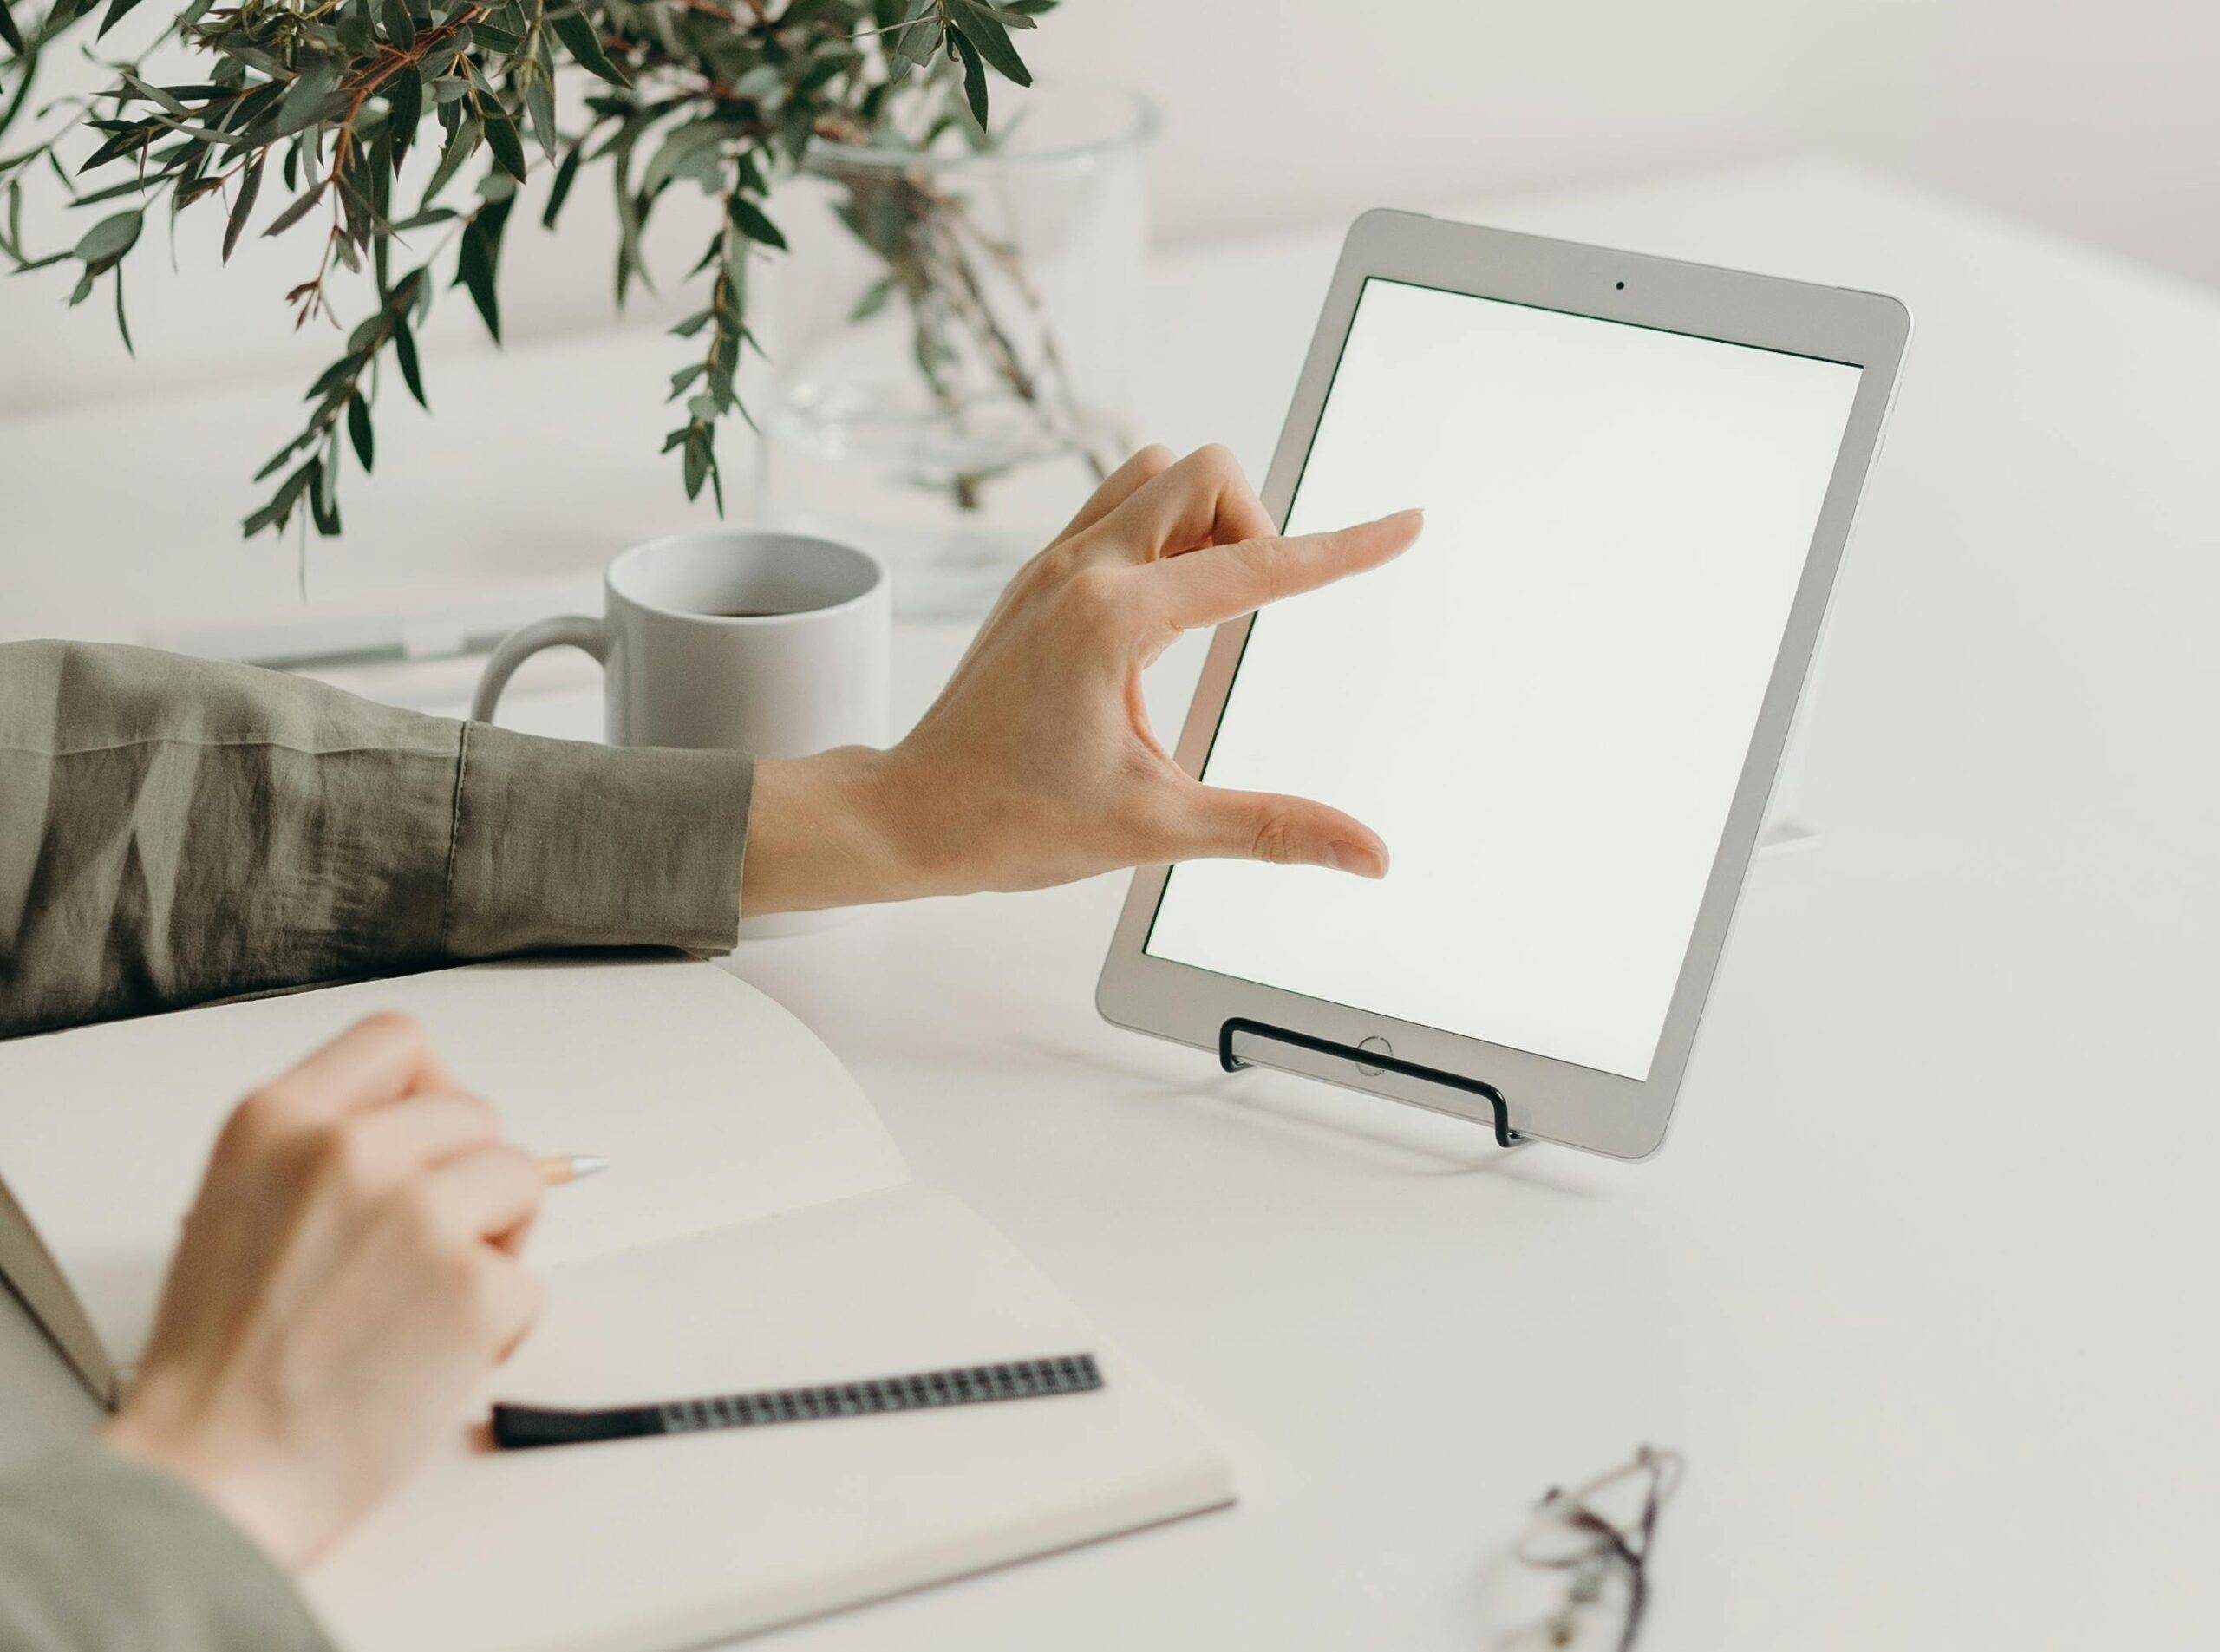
(950,359)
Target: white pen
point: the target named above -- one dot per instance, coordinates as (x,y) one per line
(558,1168)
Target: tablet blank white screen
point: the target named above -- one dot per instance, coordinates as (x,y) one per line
(1543,707)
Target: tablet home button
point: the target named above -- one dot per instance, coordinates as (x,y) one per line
(1374,1042)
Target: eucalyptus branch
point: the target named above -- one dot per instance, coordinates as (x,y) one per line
(337,394)
(719,367)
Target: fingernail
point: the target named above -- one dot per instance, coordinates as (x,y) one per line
(1354,856)
(1415,515)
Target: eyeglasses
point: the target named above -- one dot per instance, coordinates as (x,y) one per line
(1600,1533)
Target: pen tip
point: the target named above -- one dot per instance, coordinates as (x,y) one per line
(571,1167)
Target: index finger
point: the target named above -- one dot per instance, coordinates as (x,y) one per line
(378,1059)
(1224,582)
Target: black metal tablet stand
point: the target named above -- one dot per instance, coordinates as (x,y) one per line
(1378,1060)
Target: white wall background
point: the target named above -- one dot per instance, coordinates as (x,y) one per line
(2098,117)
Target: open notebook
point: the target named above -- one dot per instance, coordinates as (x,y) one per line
(758,1230)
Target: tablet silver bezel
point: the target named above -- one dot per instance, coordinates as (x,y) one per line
(1549,1099)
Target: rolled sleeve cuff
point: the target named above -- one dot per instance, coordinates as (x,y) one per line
(108,1554)
(561,843)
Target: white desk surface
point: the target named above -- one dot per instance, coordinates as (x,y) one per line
(1922,1284)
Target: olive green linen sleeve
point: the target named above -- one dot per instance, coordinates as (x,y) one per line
(101,1555)
(175,830)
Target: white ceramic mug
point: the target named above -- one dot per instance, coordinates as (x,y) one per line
(774,643)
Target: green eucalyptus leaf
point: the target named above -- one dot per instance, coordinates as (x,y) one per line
(985,32)
(400,27)
(629,222)
(974,78)
(749,217)
(580,39)
(299,482)
(267,516)
(697,464)
(119,143)
(475,268)
(358,430)
(250,187)
(109,239)
(122,322)
(9,33)
(918,37)
(540,105)
(566,175)
(680,146)
(765,83)
(323,496)
(276,461)
(460,142)
(116,10)
(501,137)
(404,351)
(873,299)
(262,62)
(279,507)
(825,70)
(300,209)
(405,100)
(798,130)
(304,99)
(163,96)
(330,379)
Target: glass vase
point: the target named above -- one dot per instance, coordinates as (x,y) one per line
(950,339)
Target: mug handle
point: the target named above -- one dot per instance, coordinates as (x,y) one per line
(572,630)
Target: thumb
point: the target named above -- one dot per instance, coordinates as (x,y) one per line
(1265,826)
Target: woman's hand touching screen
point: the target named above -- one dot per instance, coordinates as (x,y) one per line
(1037,764)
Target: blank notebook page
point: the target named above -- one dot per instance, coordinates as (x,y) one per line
(672,1541)
(713,1104)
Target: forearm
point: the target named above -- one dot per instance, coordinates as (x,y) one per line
(100,1555)
(178,831)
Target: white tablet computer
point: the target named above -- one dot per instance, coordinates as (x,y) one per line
(1561,708)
